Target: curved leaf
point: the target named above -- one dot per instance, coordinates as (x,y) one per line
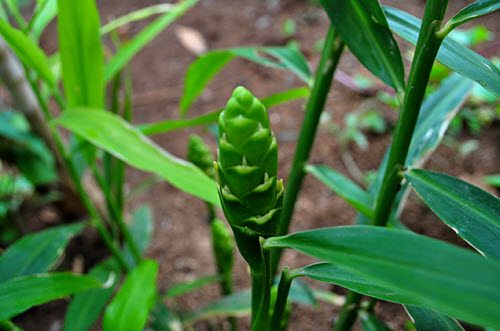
(452,54)
(86,307)
(429,320)
(403,267)
(129,309)
(344,187)
(474,10)
(37,252)
(205,67)
(474,214)
(116,136)
(27,51)
(19,294)
(134,46)
(46,11)
(363,27)
(136,15)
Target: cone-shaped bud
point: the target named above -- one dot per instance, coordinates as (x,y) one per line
(223,247)
(247,167)
(200,155)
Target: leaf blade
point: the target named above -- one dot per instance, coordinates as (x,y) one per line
(474,10)
(473,213)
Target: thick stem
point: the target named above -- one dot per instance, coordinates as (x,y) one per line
(261,292)
(426,50)
(330,57)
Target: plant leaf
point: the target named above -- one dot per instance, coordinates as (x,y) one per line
(81,53)
(370,322)
(134,16)
(43,17)
(344,187)
(27,51)
(141,229)
(37,252)
(363,27)
(86,307)
(452,54)
(134,46)
(474,214)
(429,320)
(117,137)
(474,10)
(183,288)
(400,266)
(21,293)
(270,101)
(129,309)
(205,67)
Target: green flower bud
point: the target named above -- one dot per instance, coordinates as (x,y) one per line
(200,155)
(247,167)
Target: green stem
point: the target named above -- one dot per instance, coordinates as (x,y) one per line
(285,283)
(332,50)
(425,53)
(261,291)
(116,214)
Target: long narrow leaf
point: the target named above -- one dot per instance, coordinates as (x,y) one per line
(19,294)
(129,309)
(474,214)
(134,46)
(171,125)
(474,10)
(81,53)
(363,27)
(452,54)
(403,267)
(136,15)
(344,187)
(43,16)
(36,253)
(27,51)
(116,136)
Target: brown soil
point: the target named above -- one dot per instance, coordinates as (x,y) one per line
(181,241)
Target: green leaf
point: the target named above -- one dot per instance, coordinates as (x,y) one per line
(492,180)
(134,46)
(344,187)
(437,111)
(129,309)
(86,307)
(183,288)
(141,229)
(453,55)
(400,266)
(474,10)
(117,137)
(429,320)
(164,319)
(136,15)
(205,67)
(270,101)
(19,294)
(81,53)
(27,51)
(363,27)
(45,13)
(37,252)
(472,213)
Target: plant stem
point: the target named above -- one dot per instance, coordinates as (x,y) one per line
(332,50)
(286,279)
(425,53)
(261,291)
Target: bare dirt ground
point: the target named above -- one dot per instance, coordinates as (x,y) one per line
(181,240)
